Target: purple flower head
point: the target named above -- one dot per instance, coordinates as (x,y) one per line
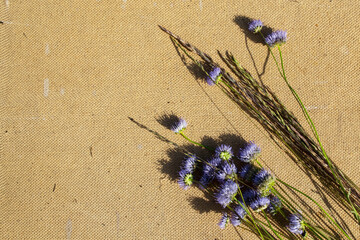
(207,177)
(261,176)
(259,203)
(249,195)
(264,180)
(224,152)
(223,221)
(248,171)
(227,171)
(249,152)
(226,193)
(255,26)
(214,76)
(276,38)
(296,224)
(179,126)
(244,171)
(189,164)
(275,205)
(215,161)
(238,214)
(185,179)
(209,172)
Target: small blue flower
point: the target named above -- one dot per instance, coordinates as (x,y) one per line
(244,170)
(224,152)
(259,203)
(214,76)
(249,195)
(226,193)
(249,152)
(255,26)
(276,38)
(209,172)
(248,171)
(223,221)
(296,224)
(264,180)
(179,126)
(226,171)
(207,177)
(215,162)
(189,164)
(254,200)
(275,205)
(261,176)
(185,180)
(238,214)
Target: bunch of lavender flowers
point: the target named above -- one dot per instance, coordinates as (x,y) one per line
(262,104)
(245,192)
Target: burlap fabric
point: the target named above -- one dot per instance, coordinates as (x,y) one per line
(74,166)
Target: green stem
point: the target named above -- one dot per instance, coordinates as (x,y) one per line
(316,232)
(270,226)
(196,143)
(313,128)
(272,54)
(321,208)
(252,219)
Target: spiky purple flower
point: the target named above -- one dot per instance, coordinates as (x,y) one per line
(249,195)
(275,205)
(248,171)
(179,126)
(244,170)
(238,214)
(223,221)
(255,26)
(264,180)
(249,152)
(226,193)
(254,199)
(259,203)
(224,152)
(185,179)
(226,171)
(209,172)
(207,177)
(189,163)
(276,38)
(296,224)
(214,76)
(215,162)
(261,176)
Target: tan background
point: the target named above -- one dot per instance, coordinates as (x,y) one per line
(72,72)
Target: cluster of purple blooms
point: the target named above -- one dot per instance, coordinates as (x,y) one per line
(222,175)
(275,38)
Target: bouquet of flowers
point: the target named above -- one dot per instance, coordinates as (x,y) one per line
(249,193)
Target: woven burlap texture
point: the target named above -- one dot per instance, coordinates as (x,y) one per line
(74,166)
